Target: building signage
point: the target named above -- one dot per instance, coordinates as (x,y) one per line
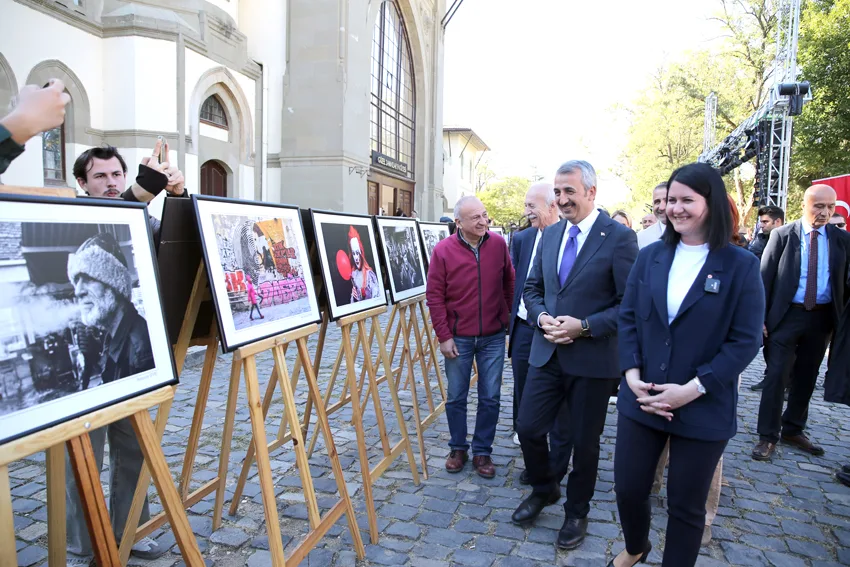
(389,163)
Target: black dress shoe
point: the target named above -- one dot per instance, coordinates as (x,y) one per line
(523,478)
(642,557)
(757,387)
(531,507)
(572,533)
(843,478)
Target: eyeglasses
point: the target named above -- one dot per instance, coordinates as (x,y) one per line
(841,224)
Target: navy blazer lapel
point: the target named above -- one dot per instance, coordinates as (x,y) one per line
(713,265)
(658,278)
(795,239)
(594,240)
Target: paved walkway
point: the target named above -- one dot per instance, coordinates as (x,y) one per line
(787,513)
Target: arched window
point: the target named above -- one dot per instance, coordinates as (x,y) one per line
(393,108)
(53,153)
(212,112)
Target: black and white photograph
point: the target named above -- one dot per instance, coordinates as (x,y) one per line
(348,253)
(432,233)
(81,323)
(498,230)
(259,268)
(402,257)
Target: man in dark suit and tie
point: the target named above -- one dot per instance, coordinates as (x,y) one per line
(541,210)
(573,295)
(804,270)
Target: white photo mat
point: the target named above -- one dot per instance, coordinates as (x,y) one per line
(418,266)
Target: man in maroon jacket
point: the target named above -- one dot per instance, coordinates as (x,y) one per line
(469,292)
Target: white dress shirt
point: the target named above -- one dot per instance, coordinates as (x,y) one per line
(649,235)
(687,263)
(521,311)
(584,226)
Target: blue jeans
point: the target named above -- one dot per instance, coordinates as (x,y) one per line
(489,353)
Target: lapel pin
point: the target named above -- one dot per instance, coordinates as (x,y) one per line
(602,233)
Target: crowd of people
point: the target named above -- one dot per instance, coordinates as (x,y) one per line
(666,319)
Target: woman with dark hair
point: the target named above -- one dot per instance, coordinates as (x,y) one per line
(689,323)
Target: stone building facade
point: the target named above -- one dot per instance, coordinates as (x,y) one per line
(333,104)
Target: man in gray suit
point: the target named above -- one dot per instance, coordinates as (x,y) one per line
(573,296)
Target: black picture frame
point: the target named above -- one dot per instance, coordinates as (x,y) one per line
(396,295)
(155,317)
(226,325)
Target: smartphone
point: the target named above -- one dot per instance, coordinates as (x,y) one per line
(162,156)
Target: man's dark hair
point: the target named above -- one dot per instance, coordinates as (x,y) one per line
(706,181)
(839,215)
(84,161)
(773,212)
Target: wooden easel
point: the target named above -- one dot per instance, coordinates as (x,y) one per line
(282,436)
(76,434)
(244,359)
(133,532)
(358,408)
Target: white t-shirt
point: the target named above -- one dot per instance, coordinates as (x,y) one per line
(687,263)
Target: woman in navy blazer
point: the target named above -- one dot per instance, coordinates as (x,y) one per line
(690,322)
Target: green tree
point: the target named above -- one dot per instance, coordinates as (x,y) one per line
(822,133)
(505,199)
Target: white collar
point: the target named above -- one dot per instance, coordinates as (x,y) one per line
(585,225)
(807,228)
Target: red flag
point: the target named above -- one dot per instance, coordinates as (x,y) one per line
(841,184)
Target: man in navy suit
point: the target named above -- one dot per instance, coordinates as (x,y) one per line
(804,270)
(573,296)
(541,211)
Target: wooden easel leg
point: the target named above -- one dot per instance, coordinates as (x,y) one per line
(198,417)
(7,526)
(433,351)
(325,427)
(249,454)
(358,429)
(252,388)
(93,502)
(382,350)
(226,439)
(149,441)
(291,416)
(317,362)
(129,536)
(411,379)
(56,521)
(371,370)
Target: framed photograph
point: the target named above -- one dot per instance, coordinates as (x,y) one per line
(348,253)
(81,323)
(432,233)
(402,257)
(498,230)
(258,266)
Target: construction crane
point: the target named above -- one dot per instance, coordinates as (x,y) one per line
(766,134)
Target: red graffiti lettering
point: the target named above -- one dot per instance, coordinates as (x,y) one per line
(235,281)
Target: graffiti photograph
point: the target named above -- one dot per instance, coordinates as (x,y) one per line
(79,312)
(349,259)
(402,257)
(258,267)
(432,233)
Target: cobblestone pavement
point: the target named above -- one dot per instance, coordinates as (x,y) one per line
(787,513)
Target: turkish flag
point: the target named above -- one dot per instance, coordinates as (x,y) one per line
(841,184)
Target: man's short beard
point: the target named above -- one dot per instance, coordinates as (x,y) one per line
(102,311)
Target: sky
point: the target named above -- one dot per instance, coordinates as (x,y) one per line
(544,81)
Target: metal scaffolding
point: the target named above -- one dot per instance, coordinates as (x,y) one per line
(767,132)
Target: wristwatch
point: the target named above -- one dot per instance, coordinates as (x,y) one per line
(700,387)
(585,329)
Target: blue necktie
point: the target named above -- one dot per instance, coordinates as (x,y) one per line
(569,257)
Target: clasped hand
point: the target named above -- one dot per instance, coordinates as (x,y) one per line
(561,330)
(669,397)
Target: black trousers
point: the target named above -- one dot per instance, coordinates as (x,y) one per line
(804,335)
(560,446)
(692,464)
(585,405)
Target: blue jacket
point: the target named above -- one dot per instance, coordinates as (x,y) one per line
(714,337)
